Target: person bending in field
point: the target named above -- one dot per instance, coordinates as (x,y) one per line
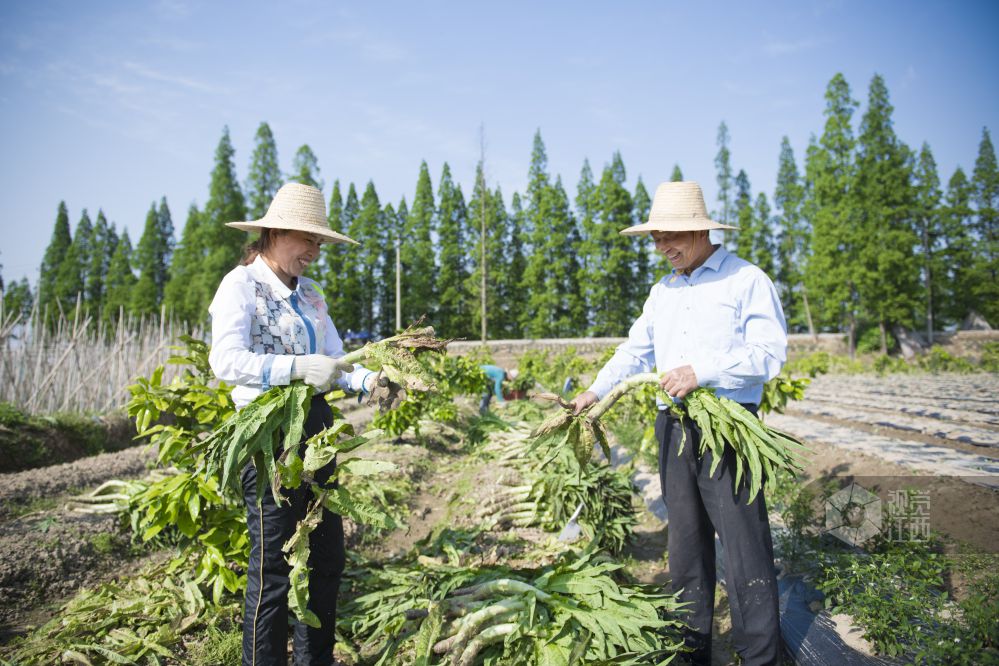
(270,325)
(714,321)
(495,375)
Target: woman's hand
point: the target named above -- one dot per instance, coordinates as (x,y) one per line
(319,370)
(387,393)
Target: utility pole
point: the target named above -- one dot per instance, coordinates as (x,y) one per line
(398,285)
(482,222)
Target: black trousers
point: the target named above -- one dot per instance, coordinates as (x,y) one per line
(265,616)
(700,505)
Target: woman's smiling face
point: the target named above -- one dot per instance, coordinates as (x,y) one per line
(291,252)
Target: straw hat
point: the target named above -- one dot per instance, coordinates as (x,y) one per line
(296,207)
(677,206)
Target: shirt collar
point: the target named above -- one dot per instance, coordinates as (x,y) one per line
(264,273)
(714,262)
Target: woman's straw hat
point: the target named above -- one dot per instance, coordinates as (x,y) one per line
(296,207)
(677,206)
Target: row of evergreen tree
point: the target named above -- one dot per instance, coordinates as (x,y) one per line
(864,238)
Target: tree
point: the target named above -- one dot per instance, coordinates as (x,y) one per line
(590,252)
(71,273)
(985,183)
(486,211)
(744,217)
(927,220)
(645,255)
(515,242)
(830,273)
(763,240)
(419,272)
(17,300)
(185,269)
(223,246)
(361,266)
(347,311)
(332,255)
(794,235)
(305,168)
(120,280)
(102,247)
(264,179)
(55,253)
(152,260)
(389,235)
(615,296)
(453,312)
(888,278)
(723,164)
(677,175)
(957,272)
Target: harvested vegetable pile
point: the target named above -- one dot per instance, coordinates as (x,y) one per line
(760,451)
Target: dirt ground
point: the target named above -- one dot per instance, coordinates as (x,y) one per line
(46,556)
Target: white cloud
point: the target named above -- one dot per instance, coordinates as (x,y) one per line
(163,77)
(775,48)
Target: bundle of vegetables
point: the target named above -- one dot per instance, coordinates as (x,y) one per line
(131,622)
(575,610)
(451,376)
(759,450)
(274,421)
(549,488)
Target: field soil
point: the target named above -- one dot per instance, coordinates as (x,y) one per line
(47,554)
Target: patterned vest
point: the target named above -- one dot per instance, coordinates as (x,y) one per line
(294,325)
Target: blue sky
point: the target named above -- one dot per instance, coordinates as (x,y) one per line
(114,104)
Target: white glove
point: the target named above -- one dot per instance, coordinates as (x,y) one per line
(318,370)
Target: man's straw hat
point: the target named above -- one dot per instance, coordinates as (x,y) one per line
(677,206)
(296,207)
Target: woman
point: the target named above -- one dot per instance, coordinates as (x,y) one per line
(270,325)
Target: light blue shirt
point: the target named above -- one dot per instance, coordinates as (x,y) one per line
(724,320)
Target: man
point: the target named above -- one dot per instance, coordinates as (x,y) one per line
(714,321)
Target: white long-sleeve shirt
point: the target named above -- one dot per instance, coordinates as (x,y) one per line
(259,325)
(724,320)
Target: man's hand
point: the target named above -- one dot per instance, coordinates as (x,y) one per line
(384,391)
(318,370)
(582,401)
(678,382)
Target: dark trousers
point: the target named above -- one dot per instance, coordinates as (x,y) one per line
(265,616)
(700,505)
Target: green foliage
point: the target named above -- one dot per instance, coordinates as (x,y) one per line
(152,260)
(305,168)
(219,647)
(940,360)
(264,178)
(813,365)
(120,283)
(550,371)
(451,376)
(184,270)
(55,253)
(137,620)
(779,390)
(990,357)
(830,272)
(574,606)
(452,318)
(419,294)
